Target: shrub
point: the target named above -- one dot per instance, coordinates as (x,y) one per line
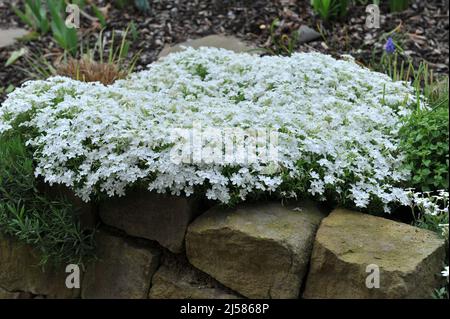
(337,126)
(49,225)
(424,140)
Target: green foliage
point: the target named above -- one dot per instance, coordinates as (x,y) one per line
(80,3)
(50,225)
(121,4)
(142,5)
(431,222)
(330,9)
(424,135)
(112,52)
(430,211)
(37,67)
(115,54)
(6,90)
(441,293)
(66,37)
(398,5)
(35,16)
(424,139)
(401,68)
(101,18)
(283,44)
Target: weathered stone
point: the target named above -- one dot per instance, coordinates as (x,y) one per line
(259,251)
(123,269)
(176,279)
(159,217)
(216,41)
(8,36)
(19,271)
(4,294)
(306,34)
(409,258)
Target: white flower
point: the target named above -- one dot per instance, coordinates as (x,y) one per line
(335,119)
(445,272)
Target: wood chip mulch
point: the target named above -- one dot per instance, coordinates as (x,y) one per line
(422,30)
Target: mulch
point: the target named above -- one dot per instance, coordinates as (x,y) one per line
(422,30)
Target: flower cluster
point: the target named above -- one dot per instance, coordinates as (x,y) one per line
(429,204)
(337,124)
(434,206)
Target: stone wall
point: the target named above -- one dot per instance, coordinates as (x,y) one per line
(160,246)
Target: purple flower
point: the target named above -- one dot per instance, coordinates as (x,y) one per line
(389,46)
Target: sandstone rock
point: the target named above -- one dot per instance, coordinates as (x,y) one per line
(159,217)
(123,269)
(258,250)
(8,36)
(179,280)
(19,271)
(409,258)
(217,41)
(4,294)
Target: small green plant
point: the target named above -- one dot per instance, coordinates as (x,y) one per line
(441,293)
(142,5)
(37,66)
(49,225)
(424,139)
(104,61)
(400,68)
(99,15)
(430,211)
(6,89)
(330,9)
(66,37)
(424,135)
(283,44)
(35,16)
(398,5)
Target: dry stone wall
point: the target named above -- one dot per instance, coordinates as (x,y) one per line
(161,247)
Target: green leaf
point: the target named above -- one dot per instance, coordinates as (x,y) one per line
(15,55)
(99,15)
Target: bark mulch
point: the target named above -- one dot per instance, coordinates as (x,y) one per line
(422,30)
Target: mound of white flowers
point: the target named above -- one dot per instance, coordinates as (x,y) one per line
(337,124)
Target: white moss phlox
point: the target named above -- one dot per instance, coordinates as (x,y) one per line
(337,124)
